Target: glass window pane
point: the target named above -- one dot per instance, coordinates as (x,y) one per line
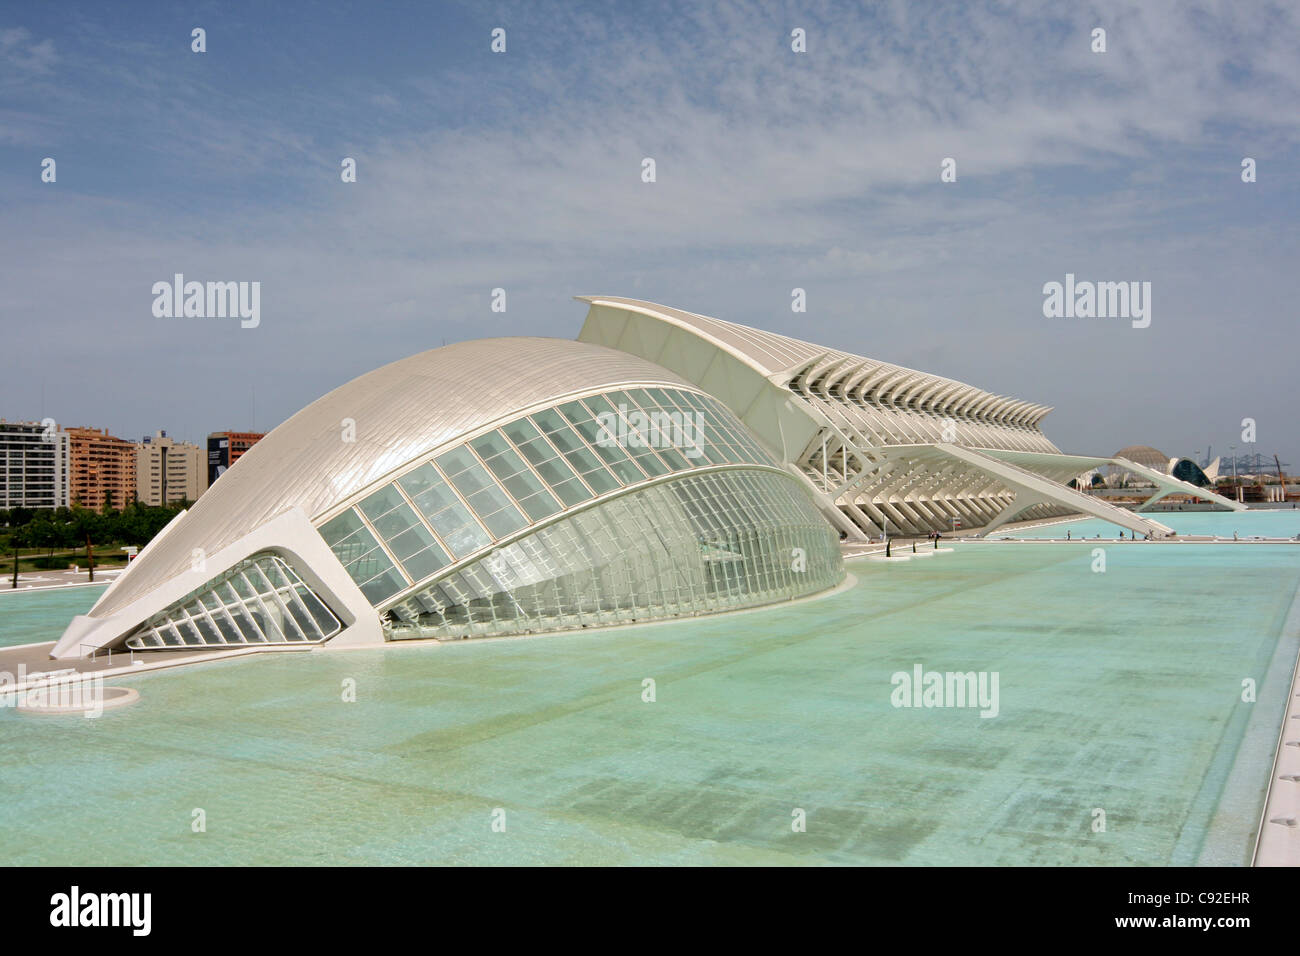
(424,563)
(506,463)
(435,499)
(488,501)
(649,462)
(425,478)
(548,420)
(383,586)
(444,511)
(504,522)
(325,621)
(641,397)
(621,402)
(472,480)
(567,441)
(572,492)
(674,460)
(396,521)
(540,505)
(493,443)
(575,412)
(455,461)
(555,471)
(601,481)
(410,541)
(208,630)
(337,529)
(252,633)
(522,486)
(597,404)
(538,450)
(232,636)
(521,431)
(381,502)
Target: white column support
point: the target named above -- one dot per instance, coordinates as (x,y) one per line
(1168,485)
(1044,489)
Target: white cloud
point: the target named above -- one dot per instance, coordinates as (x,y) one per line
(22,56)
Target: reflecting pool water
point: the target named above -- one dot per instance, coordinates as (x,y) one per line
(1120,692)
(1281,523)
(27,617)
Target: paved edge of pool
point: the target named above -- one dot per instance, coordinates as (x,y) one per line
(1278,839)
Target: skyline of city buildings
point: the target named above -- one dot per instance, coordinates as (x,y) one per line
(44,465)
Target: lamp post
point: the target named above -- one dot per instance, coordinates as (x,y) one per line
(1236,485)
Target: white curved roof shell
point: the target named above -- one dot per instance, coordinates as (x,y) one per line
(401,411)
(782,358)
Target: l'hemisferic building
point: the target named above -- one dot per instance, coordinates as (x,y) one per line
(665,464)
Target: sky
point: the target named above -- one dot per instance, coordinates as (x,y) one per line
(774,170)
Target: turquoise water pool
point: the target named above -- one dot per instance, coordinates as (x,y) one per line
(1280,523)
(1119,691)
(28,617)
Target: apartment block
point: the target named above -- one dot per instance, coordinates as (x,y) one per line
(101,468)
(226,448)
(33,465)
(168,471)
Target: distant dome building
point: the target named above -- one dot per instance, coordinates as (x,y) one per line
(1145,455)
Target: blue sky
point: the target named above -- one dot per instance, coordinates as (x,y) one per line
(775,170)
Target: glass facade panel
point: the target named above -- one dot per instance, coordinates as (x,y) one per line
(632,433)
(524,486)
(444,511)
(407,538)
(489,501)
(544,456)
(548,420)
(364,560)
(694,545)
(522,473)
(269,605)
(602,442)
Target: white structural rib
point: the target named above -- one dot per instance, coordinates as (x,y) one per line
(1168,485)
(861,434)
(1032,489)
